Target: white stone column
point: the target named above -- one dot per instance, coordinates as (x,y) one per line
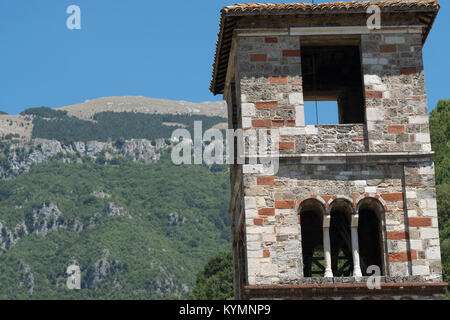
(327,246)
(355,246)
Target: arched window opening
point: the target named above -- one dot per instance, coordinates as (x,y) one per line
(369,234)
(340,238)
(311,217)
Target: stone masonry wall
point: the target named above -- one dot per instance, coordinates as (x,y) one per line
(269,93)
(270,81)
(423,228)
(272,210)
(396,101)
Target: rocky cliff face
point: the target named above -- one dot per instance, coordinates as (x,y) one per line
(22,155)
(48,218)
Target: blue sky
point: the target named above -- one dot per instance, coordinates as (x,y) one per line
(155,49)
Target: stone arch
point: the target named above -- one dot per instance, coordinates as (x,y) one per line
(311,212)
(370,233)
(341,212)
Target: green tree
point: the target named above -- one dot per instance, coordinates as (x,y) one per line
(44,112)
(215,282)
(440,141)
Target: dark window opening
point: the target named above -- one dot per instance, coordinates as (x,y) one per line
(311,219)
(340,240)
(369,235)
(333,73)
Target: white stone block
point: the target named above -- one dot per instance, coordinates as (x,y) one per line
(398,268)
(434,222)
(370,79)
(411,194)
(299,115)
(296,98)
(254,253)
(418,119)
(434,242)
(310,129)
(426,170)
(430,212)
(420,270)
(253,168)
(429,233)
(251,213)
(269,238)
(422,137)
(246,122)
(284,212)
(260,229)
(370,189)
(269,269)
(253,237)
(426,147)
(260,202)
(433,253)
(291,131)
(360,183)
(416,244)
(288,230)
(253,245)
(375,114)
(250,203)
(379,87)
(254,267)
(412,213)
(248,109)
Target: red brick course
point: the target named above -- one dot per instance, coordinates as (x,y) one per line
(397,129)
(265,180)
(392,196)
(291,53)
(266,104)
(419,222)
(258,57)
(371,94)
(266,211)
(284,204)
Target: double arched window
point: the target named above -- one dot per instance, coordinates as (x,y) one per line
(341,240)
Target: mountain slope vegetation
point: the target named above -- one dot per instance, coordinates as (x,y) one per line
(136,231)
(440,140)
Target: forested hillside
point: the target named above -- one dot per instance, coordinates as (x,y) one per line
(57,125)
(137,231)
(104,195)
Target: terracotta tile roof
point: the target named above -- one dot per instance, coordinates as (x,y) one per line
(349,6)
(229,15)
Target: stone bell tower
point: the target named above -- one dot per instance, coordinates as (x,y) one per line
(348,200)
